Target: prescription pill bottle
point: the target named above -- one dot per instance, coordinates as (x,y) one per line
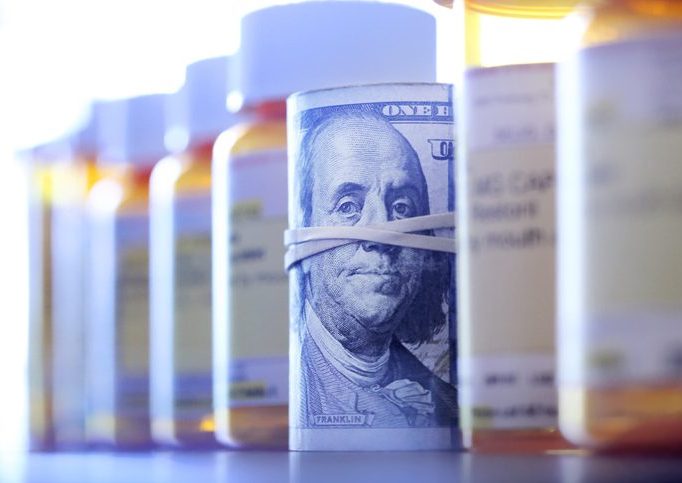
(44,163)
(131,140)
(507,227)
(620,220)
(180,223)
(71,185)
(284,49)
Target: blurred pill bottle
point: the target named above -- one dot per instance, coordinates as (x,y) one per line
(180,269)
(71,185)
(620,220)
(284,49)
(44,163)
(507,231)
(130,141)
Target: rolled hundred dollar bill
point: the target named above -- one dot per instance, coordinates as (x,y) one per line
(370,253)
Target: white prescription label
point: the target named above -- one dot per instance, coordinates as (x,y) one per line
(259,315)
(508,249)
(192,335)
(259,381)
(629,315)
(508,392)
(132,313)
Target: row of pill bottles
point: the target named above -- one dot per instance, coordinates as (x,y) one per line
(60,175)
(284,49)
(89,269)
(149,358)
(618,336)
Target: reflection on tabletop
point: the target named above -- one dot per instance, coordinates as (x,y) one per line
(332,467)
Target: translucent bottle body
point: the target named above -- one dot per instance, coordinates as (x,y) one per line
(118,315)
(71,186)
(507,224)
(250,285)
(181,362)
(41,424)
(620,306)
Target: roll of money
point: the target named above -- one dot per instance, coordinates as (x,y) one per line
(370,254)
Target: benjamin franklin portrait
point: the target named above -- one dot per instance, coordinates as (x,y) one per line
(363,303)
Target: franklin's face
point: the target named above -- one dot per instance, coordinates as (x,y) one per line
(365,173)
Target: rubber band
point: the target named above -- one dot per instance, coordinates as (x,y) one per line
(305,242)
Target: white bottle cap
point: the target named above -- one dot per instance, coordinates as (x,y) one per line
(56,150)
(321,44)
(132,130)
(198,111)
(84,138)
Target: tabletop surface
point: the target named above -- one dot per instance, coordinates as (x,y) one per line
(416,467)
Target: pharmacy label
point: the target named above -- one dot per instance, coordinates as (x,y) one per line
(259,286)
(626,319)
(192,346)
(132,312)
(508,392)
(508,208)
(508,238)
